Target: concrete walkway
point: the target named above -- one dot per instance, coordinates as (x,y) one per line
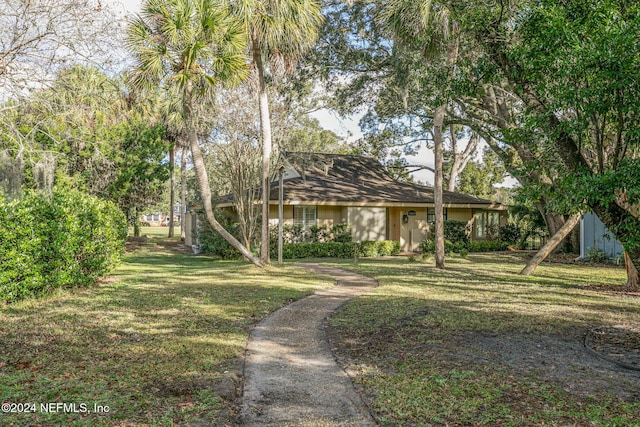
(291,378)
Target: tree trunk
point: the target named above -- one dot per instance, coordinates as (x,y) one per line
(172,197)
(183,192)
(633,278)
(265,130)
(460,160)
(553,242)
(438,120)
(205,191)
(438,123)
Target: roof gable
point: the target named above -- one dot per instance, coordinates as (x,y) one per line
(339,178)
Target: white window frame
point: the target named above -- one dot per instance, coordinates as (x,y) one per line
(305,215)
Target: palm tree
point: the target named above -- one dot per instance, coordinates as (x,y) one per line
(191,46)
(426,25)
(279,32)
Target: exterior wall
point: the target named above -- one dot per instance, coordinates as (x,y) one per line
(287,214)
(330,215)
(367,223)
(595,235)
(458,214)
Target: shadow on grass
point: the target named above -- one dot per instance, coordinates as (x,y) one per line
(153,343)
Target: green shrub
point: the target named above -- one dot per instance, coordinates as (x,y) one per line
(510,233)
(457,232)
(339,249)
(488,246)
(596,255)
(211,242)
(341,232)
(65,239)
(428,246)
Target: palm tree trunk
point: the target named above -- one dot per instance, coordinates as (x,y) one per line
(172,197)
(205,192)
(553,242)
(183,192)
(265,130)
(438,120)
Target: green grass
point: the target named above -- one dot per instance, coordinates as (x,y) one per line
(154,343)
(404,337)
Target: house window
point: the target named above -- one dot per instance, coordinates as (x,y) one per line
(486,225)
(431,214)
(306,216)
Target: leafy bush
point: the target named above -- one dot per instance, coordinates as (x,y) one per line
(65,239)
(488,246)
(211,242)
(428,246)
(457,231)
(319,250)
(341,232)
(510,233)
(295,233)
(596,255)
(340,249)
(374,248)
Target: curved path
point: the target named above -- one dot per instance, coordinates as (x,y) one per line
(291,378)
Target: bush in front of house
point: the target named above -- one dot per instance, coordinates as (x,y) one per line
(211,242)
(339,249)
(296,233)
(488,246)
(60,240)
(457,232)
(510,233)
(374,248)
(428,246)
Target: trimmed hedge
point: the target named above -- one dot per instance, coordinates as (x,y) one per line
(488,246)
(65,239)
(428,246)
(340,249)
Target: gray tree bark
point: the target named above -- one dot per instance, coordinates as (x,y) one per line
(265,130)
(553,242)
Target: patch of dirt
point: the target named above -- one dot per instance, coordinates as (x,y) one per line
(619,344)
(560,359)
(563,360)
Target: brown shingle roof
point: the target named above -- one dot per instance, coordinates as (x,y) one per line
(348,178)
(339,178)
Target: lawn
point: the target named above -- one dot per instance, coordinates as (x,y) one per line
(156,344)
(161,341)
(479,345)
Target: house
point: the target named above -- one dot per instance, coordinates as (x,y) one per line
(161,219)
(327,189)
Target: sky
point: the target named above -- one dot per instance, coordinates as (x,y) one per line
(345,127)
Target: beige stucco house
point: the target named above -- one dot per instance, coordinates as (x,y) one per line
(327,189)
